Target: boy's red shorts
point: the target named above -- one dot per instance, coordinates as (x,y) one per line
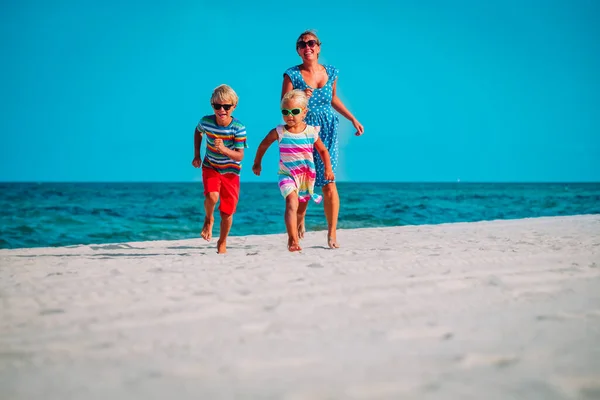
(227,185)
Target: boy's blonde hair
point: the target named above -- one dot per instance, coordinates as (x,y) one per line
(297,95)
(224,93)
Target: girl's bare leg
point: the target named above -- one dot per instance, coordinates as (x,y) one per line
(210,202)
(301,215)
(291,221)
(332,210)
(226,221)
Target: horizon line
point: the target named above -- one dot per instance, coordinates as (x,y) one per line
(269,182)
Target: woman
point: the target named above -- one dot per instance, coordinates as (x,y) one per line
(319,82)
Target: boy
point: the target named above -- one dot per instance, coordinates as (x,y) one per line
(225,143)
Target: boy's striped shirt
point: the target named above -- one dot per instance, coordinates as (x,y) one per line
(234,137)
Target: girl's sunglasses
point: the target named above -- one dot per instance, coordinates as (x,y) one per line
(226,107)
(302,44)
(293,111)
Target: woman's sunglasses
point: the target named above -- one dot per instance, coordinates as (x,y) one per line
(302,44)
(293,111)
(226,107)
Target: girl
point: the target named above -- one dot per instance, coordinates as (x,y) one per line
(297,141)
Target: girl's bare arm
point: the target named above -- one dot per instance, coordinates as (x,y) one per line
(262,149)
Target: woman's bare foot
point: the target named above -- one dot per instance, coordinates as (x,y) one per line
(293,245)
(207,228)
(221,246)
(332,242)
(301,229)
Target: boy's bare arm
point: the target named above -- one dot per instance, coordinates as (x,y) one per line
(197,143)
(235,154)
(322,150)
(262,149)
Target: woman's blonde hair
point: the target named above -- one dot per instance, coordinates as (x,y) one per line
(224,93)
(297,95)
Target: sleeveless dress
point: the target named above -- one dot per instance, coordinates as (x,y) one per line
(320,113)
(296,164)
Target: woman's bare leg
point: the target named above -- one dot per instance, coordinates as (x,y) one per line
(332,210)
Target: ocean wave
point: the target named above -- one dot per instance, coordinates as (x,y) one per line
(63,214)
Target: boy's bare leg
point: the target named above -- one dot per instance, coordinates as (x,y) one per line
(332,209)
(291,221)
(209,208)
(226,222)
(301,215)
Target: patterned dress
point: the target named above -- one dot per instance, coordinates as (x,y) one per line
(320,113)
(296,164)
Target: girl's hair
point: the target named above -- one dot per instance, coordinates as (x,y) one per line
(297,95)
(309,32)
(224,93)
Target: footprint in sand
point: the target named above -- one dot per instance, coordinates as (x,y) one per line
(562,316)
(474,360)
(585,387)
(256,327)
(435,332)
(452,284)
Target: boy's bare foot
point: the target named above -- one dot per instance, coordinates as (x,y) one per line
(221,246)
(207,228)
(301,229)
(332,242)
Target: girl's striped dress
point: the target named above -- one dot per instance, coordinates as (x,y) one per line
(296,163)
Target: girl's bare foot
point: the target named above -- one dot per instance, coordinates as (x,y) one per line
(207,228)
(332,242)
(221,246)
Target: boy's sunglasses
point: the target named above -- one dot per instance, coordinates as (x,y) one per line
(226,107)
(293,111)
(302,44)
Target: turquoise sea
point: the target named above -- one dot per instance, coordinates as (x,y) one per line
(60,214)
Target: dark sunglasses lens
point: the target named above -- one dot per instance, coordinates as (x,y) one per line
(226,107)
(296,111)
(285,112)
(302,44)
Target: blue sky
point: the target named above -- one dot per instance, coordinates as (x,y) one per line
(472,90)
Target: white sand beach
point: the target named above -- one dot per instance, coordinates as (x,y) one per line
(487,310)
